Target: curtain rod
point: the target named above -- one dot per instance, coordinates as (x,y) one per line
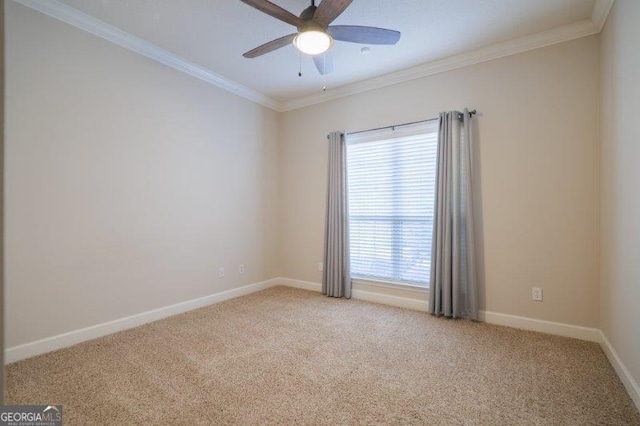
(393,126)
(403,124)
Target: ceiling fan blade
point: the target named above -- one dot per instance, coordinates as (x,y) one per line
(324,62)
(365,35)
(329,10)
(271,46)
(275,11)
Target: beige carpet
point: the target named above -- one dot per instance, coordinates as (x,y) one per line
(292,356)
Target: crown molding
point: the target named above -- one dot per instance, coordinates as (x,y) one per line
(108,32)
(88,23)
(600,12)
(496,51)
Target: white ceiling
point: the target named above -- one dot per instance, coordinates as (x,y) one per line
(215,33)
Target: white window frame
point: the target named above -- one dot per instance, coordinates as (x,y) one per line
(428,127)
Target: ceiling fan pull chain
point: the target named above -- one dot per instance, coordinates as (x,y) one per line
(324,72)
(299,64)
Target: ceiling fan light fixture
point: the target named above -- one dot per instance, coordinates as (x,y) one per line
(313,42)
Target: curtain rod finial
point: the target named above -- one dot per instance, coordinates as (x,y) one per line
(471,113)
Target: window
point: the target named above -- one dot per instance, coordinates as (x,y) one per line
(391,182)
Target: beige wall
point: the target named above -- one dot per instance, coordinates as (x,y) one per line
(127,182)
(620,183)
(539,147)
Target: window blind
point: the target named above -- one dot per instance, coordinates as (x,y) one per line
(391,183)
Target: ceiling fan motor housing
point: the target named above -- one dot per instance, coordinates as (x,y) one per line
(307,14)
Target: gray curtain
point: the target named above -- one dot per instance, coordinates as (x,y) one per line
(453,287)
(336,278)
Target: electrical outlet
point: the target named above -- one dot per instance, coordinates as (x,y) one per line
(241,269)
(221,272)
(320,266)
(536,294)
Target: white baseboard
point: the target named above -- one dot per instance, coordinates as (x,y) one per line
(64,340)
(549,327)
(623,372)
(369,296)
(304,285)
(60,341)
(387,299)
(524,323)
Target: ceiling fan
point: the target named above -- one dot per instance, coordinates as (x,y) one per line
(315,36)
